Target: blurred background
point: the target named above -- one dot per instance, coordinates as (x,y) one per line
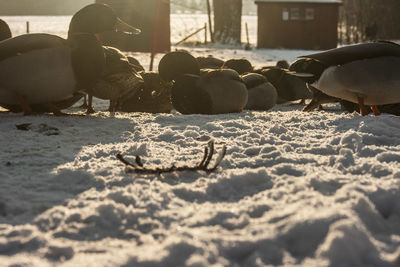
(358,20)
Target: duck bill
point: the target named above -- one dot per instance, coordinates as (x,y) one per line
(124,27)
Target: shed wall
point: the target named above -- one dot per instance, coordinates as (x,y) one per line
(319,33)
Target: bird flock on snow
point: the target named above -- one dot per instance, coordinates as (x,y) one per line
(46,73)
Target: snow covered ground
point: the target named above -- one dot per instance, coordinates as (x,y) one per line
(294,189)
(310,189)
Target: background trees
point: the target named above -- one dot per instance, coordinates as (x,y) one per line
(227,21)
(364,20)
(359,20)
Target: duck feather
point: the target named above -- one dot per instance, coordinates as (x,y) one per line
(27,43)
(346,54)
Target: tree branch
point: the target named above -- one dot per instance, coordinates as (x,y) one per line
(138,166)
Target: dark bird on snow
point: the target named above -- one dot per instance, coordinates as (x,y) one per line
(205,91)
(43,70)
(154,96)
(262,94)
(320,98)
(119,80)
(288,86)
(366,74)
(210,62)
(241,65)
(283,64)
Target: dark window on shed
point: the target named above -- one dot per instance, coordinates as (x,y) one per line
(295,13)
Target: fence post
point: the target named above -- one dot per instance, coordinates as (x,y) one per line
(27,27)
(205,33)
(247,46)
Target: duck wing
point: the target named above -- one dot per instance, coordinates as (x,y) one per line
(346,54)
(27,43)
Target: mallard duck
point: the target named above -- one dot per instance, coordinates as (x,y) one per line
(322,98)
(118,59)
(135,63)
(241,65)
(283,64)
(366,74)
(209,62)
(154,96)
(46,107)
(43,70)
(262,94)
(5,31)
(203,91)
(318,98)
(288,86)
(119,80)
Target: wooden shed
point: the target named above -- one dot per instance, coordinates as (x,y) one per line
(298,24)
(151,16)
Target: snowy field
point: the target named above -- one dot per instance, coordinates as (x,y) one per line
(294,189)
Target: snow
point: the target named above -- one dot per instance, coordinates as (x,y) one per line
(294,189)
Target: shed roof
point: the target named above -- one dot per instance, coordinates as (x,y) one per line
(300,1)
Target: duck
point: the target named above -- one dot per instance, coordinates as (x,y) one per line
(283,64)
(209,62)
(119,80)
(154,96)
(365,74)
(241,65)
(114,57)
(55,107)
(322,98)
(5,32)
(289,87)
(202,91)
(135,63)
(262,94)
(319,98)
(41,70)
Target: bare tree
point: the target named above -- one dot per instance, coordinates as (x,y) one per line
(365,20)
(227,21)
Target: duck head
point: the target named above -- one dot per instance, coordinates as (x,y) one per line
(304,66)
(318,98)
(97,19)
(283,64)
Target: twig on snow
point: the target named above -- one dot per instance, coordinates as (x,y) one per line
(138,166)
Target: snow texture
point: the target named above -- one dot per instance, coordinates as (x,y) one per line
(294,189)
